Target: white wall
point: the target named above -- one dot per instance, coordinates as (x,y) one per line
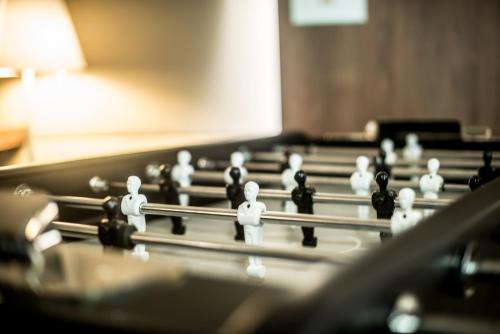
(228,82)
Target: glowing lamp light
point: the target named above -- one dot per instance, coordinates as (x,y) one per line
(38,35)
(7,72)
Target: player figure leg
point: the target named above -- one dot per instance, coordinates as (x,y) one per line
(290,207)
(309,239)
(429,195)
(363,210)
(414,178)
(240,231)
(177,226)
(140,249)
(253,236)
(140,252)
(184,199)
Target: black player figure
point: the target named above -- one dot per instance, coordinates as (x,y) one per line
(236,195)
(114,231)
(169,190)
(487,172)
(302,196)
(110,206)
(379,163)
(383,200)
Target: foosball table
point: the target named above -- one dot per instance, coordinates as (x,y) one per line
(396,233)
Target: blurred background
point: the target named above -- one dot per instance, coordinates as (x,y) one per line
(90,77)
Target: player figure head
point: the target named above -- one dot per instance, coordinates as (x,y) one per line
(165,170)
(362,163)
(387,145)
(433,165)
(300,177)
(153,171)
(382,179)
(110,206)
(183,157)
(475,182)
(411,139)
(406,198)
(133,184)
(295,161)
(487,157)
(237,159)
(251,191)
(235,174)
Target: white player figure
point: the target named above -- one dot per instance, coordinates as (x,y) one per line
(412,150)
(431,184)
(249,213)
(182,173)
(390,156)
(288,179)
(237,160)
(405,217)
(361,181)
(131,207)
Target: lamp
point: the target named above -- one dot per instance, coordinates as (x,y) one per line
(37,36)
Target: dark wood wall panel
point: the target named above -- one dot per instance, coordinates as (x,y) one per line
(414,58)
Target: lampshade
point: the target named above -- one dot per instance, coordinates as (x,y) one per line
(38,34)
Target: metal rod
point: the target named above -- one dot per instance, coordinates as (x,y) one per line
(269,178)
(349,151)
(277,157)
(83,230)
(458,324)
(74,229)
(271,217)
(396,171)
(273,194)
(490,267)
(315,168)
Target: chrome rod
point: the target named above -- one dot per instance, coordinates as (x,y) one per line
(271,217)
(75,229)
(269,178)
(444,172)
(454,324)
(315,168)
(284,218)
(489,267)
(83,230)
(426,153)
(264,251)
(148,187)
(268,157)
(396,171)
(273,194)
